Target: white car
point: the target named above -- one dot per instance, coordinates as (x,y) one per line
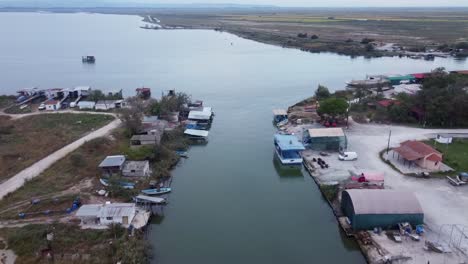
(41,107)
(348,156)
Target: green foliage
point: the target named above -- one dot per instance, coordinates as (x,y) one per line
(141,153)
(444,100)
(369,47)
(329,191)
(333,106)
(168,104)
(97,95)
(77,160)
(322,92)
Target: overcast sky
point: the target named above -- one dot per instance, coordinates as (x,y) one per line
(284,3)
(321,3)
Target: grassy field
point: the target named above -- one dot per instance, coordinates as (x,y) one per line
(78,174)
(27,140)
(455,154)
(339,30)
(74,245)
(6,100)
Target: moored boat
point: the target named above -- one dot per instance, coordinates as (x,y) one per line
(158,191)
(288,149)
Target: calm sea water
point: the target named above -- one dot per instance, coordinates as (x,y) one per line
(230,204)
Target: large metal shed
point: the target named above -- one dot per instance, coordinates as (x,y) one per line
(367,209)
(332,139)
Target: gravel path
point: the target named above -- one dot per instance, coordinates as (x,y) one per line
(37,168)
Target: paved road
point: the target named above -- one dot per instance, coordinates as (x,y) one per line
(37,168)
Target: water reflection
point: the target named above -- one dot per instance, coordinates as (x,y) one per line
(287,172)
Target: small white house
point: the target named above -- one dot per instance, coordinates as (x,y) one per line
(108,213)
(86,105)
(52,105)
(136,169)
(105,104)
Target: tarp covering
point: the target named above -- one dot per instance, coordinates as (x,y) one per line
(288,142)
(150,199)
(383,202)
(196,132)
(326,132)
(205,114)
(279,112)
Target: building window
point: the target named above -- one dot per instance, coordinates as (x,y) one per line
(109,218)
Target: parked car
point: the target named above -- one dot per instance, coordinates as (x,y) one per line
(348,156)
(41,107)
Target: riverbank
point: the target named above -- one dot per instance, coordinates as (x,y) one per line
(433,194)
(354,33)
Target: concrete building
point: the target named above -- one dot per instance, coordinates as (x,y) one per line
(112,165)
(420,154)
(367,209)
(105,214)
(136,169)
(52,105)
(86,105)
(332,139)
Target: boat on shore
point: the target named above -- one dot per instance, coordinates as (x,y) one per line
(125,185)
(288,149)
(158,191)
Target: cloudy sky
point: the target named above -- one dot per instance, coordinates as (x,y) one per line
(284,3)
(337,3)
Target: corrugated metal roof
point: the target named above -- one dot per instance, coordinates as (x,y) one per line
(117,210)
(288,142)
(150,119)
(82,88)
(384,202)
(326,132)
(196,132)
(150,199)
(279,112)
(205,114)
(89,210)
(112,161)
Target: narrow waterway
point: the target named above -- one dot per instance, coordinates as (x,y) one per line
(231,203)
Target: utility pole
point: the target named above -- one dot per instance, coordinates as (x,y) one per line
(388,145)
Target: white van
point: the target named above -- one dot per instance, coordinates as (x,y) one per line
(348,156)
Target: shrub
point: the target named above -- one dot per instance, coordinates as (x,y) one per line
(77,160)
(314,37)
(366,40)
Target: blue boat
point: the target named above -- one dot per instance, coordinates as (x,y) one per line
(182,154)
(288,148)
(159,191)
(125,185)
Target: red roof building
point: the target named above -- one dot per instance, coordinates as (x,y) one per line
(388,102)
(422,154)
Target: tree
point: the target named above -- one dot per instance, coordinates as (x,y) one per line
(314,37)
(132,116)
(333,107)
(322,92)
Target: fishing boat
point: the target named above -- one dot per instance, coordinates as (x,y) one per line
(288,149)
(88,59)
(182,153)
(125,185)
(158,191)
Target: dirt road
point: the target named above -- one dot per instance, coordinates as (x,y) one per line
(441,202)
(37,168)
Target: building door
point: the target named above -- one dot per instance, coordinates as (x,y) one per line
(125,220)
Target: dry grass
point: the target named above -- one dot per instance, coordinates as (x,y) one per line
(27,140)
